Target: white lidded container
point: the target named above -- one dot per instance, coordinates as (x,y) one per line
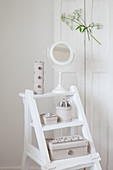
(64,111)
(38,77)
(67,147)
(49,118)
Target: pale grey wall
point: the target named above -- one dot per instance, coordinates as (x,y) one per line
(25,32)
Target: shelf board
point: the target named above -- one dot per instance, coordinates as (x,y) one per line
(77,162)
(75,122)
(51,94)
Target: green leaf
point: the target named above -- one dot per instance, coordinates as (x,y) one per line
(90,30)
(77,28)
(84,29)
(88,35)
(80,29)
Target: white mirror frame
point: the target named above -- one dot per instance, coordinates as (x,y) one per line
(58,66)
(57,62)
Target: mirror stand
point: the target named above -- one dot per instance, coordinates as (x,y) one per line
(60,56)
(59,87)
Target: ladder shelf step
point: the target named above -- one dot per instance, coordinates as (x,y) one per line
(75,122)
(49,94)
(77,162)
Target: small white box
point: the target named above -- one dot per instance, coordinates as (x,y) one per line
(49,119)
(64,111)
(67,147)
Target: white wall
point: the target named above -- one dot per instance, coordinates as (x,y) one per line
(25,33)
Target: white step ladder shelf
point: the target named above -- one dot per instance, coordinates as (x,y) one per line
(41,155)
(49,94)
(75,122)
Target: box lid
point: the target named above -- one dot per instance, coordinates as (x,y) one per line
(64,104)
(66,142)
(49,115)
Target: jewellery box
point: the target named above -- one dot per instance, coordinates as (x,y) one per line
(49,118)
(67,147)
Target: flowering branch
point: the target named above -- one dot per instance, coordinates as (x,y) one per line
(76,22)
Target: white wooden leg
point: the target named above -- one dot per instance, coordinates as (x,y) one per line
(96,166)
(27,134)
(47,168)
(43,169)
(24,165)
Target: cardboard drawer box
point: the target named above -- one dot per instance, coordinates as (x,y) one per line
(48,119)
(67,147)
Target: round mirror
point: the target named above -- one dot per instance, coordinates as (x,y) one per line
(60,56)
(61,53)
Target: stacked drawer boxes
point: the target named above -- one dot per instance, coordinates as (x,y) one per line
(38,77)
(67,147)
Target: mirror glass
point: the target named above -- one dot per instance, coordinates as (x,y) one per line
(61,53)
(60,56)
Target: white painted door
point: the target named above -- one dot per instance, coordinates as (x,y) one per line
(92,69)
(75,73)
(99,82)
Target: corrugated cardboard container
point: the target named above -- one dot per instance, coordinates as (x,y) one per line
(48,119)
(67,149)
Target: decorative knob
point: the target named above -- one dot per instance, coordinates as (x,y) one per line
(70,152)
(40,68)
(39,86)
(39,77)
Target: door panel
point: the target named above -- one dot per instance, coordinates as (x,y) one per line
(92,69)
(63,32)
(99,112)
(98,81)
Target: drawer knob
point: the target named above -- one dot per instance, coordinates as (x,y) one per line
(70,152)
(39,77)
(40,68)
(39,86)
